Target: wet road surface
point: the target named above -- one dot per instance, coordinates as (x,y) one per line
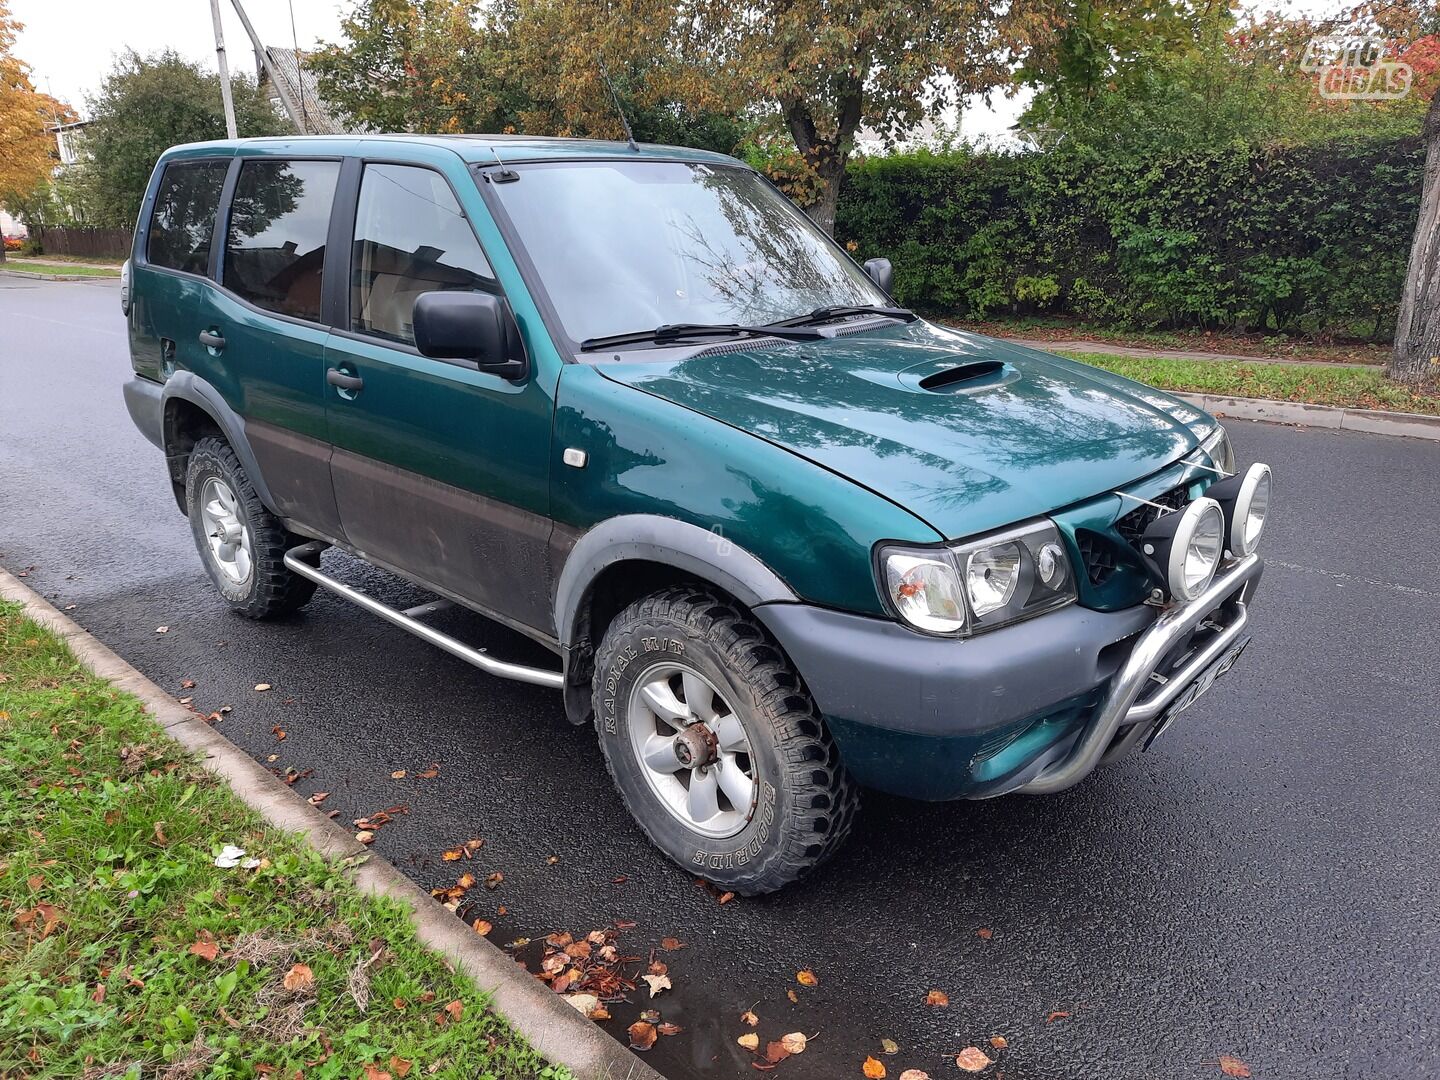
(1263,883)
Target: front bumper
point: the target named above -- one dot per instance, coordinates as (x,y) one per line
(1033,707)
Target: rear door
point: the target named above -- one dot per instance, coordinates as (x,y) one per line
(440,471)
(267,325)
(171,264)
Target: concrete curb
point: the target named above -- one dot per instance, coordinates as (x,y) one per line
(1374,421)
(556,1031)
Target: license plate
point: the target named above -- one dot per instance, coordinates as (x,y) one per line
(1196,690)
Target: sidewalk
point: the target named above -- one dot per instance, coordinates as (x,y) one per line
(1084,345)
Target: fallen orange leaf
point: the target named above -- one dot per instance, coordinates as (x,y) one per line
(985,935)
(642,1035)
(938,998)
(456,1009)
(914,1074)
(998,1042)
(873,1068)
(205,950)
(1233,1066)
(298,979)
(807,978)
(482,927)
(973,1059)
(1057,1016)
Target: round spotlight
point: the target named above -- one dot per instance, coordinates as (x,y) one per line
(1245,499)
(1184,548)
(1251,508)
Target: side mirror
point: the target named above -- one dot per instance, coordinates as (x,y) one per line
(881,273)
(472,326)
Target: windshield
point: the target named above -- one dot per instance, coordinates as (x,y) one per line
(621,246)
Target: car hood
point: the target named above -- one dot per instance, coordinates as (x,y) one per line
(966,432)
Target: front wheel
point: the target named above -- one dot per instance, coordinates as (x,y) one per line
(715,744)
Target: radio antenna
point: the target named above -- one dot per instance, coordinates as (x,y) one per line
(620,109)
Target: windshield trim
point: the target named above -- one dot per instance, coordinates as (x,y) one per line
(569,349)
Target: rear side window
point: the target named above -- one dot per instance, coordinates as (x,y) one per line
(184,215)
(411,237)
(275,243)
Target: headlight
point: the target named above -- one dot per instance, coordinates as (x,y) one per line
(1245,499)
(1218,448)
(1183,549)
(924,591)
(981,584)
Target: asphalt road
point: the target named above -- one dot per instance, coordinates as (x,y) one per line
(1263,883)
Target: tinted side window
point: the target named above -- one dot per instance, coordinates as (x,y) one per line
(411,237)
(275,245)
(184,215)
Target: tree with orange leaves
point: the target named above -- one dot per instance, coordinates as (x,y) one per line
(24,144)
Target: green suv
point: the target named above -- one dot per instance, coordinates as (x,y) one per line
(783,537)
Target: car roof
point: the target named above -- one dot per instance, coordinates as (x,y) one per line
(477,148)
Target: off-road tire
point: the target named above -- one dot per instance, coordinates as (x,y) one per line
(805,803)
(272,589)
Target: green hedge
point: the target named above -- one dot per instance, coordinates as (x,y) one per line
(1311,238)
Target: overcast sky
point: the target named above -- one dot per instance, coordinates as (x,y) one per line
(70,44)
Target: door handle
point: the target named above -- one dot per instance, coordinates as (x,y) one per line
(337,378)
(212,340)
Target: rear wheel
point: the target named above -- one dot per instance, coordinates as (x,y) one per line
(715,745)
(241,543)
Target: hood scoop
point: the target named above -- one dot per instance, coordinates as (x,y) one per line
(947,377)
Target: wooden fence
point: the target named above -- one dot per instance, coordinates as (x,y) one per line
(92,243)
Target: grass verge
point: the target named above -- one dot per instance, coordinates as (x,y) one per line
(23,266)
(1352,388)
(125,951)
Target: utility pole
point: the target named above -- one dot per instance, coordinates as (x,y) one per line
(225,96)
(297,116)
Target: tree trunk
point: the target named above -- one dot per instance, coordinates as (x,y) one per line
(1416,357)
(825,156)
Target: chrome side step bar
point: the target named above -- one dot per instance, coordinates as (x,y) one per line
(296,558)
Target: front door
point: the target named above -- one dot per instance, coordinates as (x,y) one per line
(440,471)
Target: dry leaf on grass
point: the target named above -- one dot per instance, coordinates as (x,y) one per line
(456,1009)
(938,998)
(299,979)
(1233,1066)
(750,1041)
(973,1059)
(400,1067)
(205,950)
(873,1068)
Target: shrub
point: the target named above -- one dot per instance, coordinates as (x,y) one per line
(1311,239)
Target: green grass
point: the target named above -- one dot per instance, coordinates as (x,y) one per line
(1314,384)
(108,836)
(24,266)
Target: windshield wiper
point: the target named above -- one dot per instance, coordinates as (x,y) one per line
(675,331)
(840,311)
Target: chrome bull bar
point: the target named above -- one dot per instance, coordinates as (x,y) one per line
(1119,709)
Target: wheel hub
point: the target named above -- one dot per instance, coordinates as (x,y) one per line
(693,749)
(227,538)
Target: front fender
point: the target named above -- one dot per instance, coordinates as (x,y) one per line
(652,538)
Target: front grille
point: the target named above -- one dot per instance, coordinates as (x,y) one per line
(1132,526)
